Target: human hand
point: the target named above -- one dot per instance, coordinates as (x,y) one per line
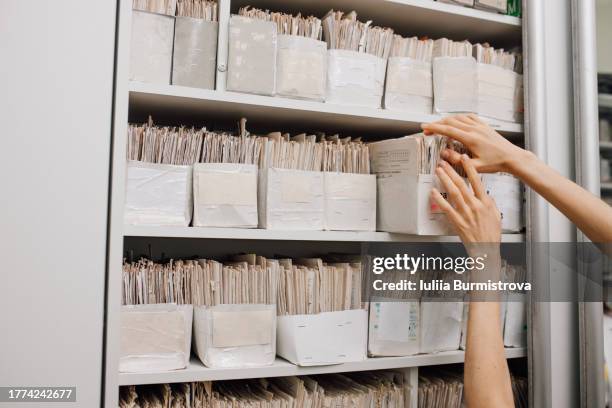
(472,213)
(491,151)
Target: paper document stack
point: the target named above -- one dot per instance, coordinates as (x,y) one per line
(441,389)
(405,176)
(454,77)
(194,61)
(357,59)
(409,85)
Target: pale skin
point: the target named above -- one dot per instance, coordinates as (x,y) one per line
(477,221)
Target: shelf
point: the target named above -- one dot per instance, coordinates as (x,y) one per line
(606,187)
(172,104)
(275,235)
(412,17)
(281,368)
(605,101)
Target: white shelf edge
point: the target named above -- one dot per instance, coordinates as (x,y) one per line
(276,235)
(196,371)
(462,11)
(605,100)
(286,104)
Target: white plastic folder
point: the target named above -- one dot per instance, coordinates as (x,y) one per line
(225,195)
(350,201)
(441,323)
(195,53)
(409,86)
(324,338)
(507,191)
(155,337)
(301,68)
(252,56)
(355,78)
(291,199)
(233,336)
(455,84)
(157,194)
(151,47)
(394,328)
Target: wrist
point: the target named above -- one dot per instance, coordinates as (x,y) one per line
(519,160)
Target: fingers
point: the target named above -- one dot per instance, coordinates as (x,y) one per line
(451,156)
(448,209)
(447,130)
(467,195)
(473,177)
(454,193)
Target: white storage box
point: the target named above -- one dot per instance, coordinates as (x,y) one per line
(291,199)
(409,86)
(441,323)
(350,201)
(507,192)
(455,84)
(252,56)
(500,6)
(515,324)
(155,337)
(324,338)
(157,194)
(393,328)
(225,195)
(235,336)
(301,67)
(355,78)
(195,52)
(497,92)
(404,205)
(151,47)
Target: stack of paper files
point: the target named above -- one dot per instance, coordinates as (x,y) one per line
(405,170)
(320,317)
(441,389)
(454,77)
(409,84)
(357,59)
(194,59)
(363,390)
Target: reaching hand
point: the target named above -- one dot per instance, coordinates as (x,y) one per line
(473,214)
(491,151)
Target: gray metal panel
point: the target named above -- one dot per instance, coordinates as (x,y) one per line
(587,175)
(55,108)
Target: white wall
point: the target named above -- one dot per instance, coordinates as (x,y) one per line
(604,36)
(55,111)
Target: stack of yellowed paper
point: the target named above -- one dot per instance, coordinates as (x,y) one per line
(440,389)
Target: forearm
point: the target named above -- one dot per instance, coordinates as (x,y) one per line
(487,378)
(590,214)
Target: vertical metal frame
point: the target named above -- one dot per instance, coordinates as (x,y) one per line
(539,337)
(584,40)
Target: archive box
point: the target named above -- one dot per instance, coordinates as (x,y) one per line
(252,56)
(500,6)
(404,205)
(151,47)
(355,78)
(497,92)
(225,195)
(393,328)
(155,337)
(301,69)
(234,336)
(350,201)
(157,194)
(455,84)
(194,61)
(515,323)
(441,323)
(291,199)
(324,338)
(507,192)
(409,86)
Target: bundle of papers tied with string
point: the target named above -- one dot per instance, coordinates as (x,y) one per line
(405,169)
